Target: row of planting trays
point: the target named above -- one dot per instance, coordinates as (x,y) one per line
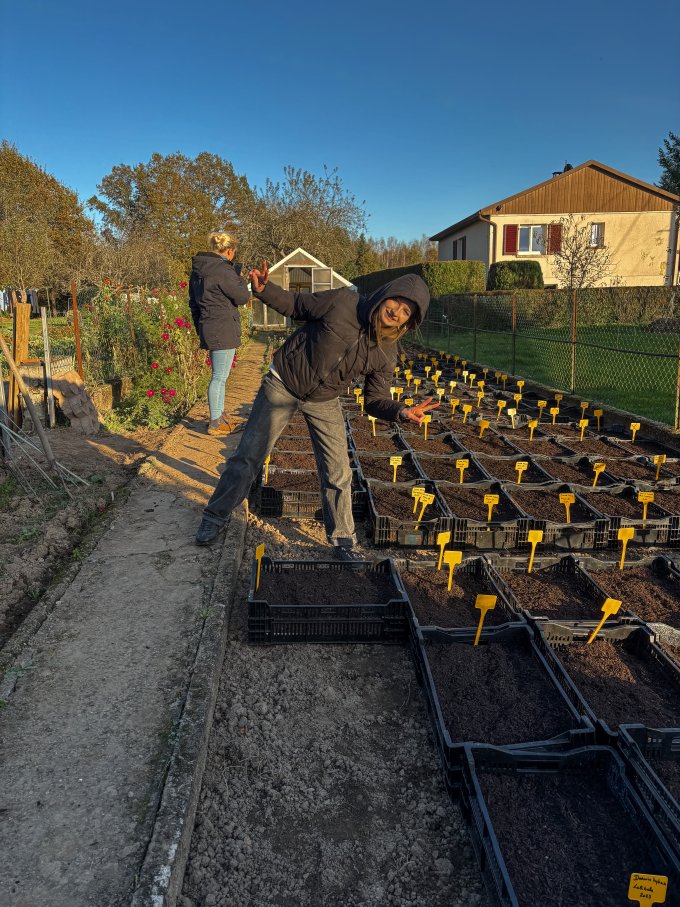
(564,756)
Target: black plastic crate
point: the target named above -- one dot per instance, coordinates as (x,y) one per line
(660,565)
(271,622)
(655,530)
(552,635)
(448,437)
(409,532)
(498,535)
(451,751)
(639,744)
(301,505)
(364,459)
(535,476)
(426,462)
(589,760)
(589,534)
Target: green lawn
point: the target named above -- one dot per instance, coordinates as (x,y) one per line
(627,377)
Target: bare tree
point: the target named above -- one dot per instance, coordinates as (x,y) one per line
(579,256)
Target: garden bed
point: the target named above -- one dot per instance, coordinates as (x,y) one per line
(373,466)
(602,448)
(540,446)
(467,502)
(504,470)
(292,442)
(576,471)
(393,521)
(364,440)
(632,470)
(443,469)
(489,443)
(293,459)
(649,591)
(439,445)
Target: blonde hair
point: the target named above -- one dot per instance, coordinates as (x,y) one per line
(384,334)
(222,242)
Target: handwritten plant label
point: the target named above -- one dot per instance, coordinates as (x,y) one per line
(504,379)
(361,403)
(496,376)
(371,419)
(611,606)
(452,559)
(659,460)
(392,392)
(480,397)
(425,501)
(645,498)
(403,358)
(472,377)
(409,401)
(501,406)
(394,463)
(484,603)
(647,889)
(598,413)
(440,393)
(443,539)
(416,383)
(625,534)
(267,461)
(426,421)
(521,467)
(452,385)
(416,494)
(396,371)
(357,393)
(486,372)
(567,498)
(584,406)
(399,391)
(520,385)
(517,398)
(481,384)
(558,398)
(541,406)
(428,369)
(467,409)
(512,413)
(598,469)
(491,500)
(583,424)
(554,412)
(259,553)
(465,375)
(454,403)
(635,428)
(461,466)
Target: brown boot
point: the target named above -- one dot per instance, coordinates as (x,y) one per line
(218,427)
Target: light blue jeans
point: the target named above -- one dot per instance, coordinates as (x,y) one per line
(222,361)
(272,410)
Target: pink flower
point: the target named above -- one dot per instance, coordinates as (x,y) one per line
(165,336)
(164,390)
(167,370)
(208,361)
(183,285)
(179,322)
(150,392)
(154,365)
(172,392)
(166,399)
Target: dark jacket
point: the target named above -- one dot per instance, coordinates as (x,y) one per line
(335,346)
(215,293)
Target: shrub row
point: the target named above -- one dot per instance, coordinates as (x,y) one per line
(442,277)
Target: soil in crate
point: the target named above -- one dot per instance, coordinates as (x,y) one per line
(564,430)
(364,440)
(650,597)
(467,502)
(615,505)
(632,469)
(549,593)
(293,460)
(496,693)
(545,505)
(397,503)
(670,468)
(292,481)
(504,471)
(669,500)
(576,474)
(646,447)
(540,447)
(443,469)
(379,468)
(668,771)
(620,686)
(433,445)
(361,423)
(574,829)
(289,442)
(596,446)
(312,587)
(490,444)
(434,605)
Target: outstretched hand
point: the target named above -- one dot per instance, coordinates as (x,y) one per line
(418,413)
(259,278)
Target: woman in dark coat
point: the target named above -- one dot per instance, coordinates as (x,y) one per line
(216,291)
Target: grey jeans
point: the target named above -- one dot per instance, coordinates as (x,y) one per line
(272,410)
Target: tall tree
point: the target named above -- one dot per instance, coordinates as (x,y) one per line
(669,161)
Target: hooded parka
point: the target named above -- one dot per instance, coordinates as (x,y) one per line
(337,345)
(215,293)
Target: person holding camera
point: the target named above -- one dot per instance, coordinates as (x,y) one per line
(344,337)
(216,290)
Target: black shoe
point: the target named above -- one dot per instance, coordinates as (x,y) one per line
(208,532)
(346,553)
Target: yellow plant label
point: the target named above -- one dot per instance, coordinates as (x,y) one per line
(504,378)
(267,461)
(259,553)
(558,398)
(598,413)
(425,501)
(512,413)
(486,372)
(403,358)
(501,406)
(483,425)
(611,606)
(496,376)
(481,384)
(452,559)
(624,535)
(454,403)
(443,539)
(659,460)
(409,401)
(465,375)
(472,378)
(426,421)
(647,889)
(399,391)
(520,385)
(440,393)
(568,498)
(635,428)
(395,462)
(357,392)
(520,468)
(484,603)
(583,424)
(541,406)
(491,500)
(584,406)
(598,469)
(554,412)
(533,425)
(417,383)
(416,494)
(371,419)
(480,397)
(517,397)
(428,369)
(396,371)
(452,385)
(645,498)
(467,409)
(361,403)
(534,536)
(461,466)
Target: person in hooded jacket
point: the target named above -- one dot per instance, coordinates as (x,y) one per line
(344,337)
(216,290)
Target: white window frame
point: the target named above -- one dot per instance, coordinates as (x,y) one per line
(540,244)
(596,240)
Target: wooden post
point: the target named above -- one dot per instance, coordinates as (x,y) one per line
(5,440)
(21,329)
(48,369)
(76,329)
(573,340)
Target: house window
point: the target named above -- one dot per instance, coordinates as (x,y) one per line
(459,249)
(531,240)
(597,236)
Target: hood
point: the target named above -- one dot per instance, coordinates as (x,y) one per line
(208,263)
(410,286)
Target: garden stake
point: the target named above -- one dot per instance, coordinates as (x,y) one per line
(480,397)
(428,369)
(486,372)
(416,383)
(403,358)
(610,607)
(482,384)
(512,413)
(371,419)
(452,559)
(440,393)
(583,424)
(491,500)
(532,428)
(410,363)
(635,428)
(598,415)
(361,404)
(259,551)
(357,393)
(266,468)
(448,357)
(567,498)
(416,495)
(504,378)
(456,359)
(465,375)
(647,889)
(392,391)
(461,466)
(554,412)
(625,534)
(584,407)
(457,371)
(408,377)
(426,421)
(598,468)
(452,384)
(409,401)
(396,372)
(394,463)
(496,376)
(534,536)
(520,467)
(399,391)
(443,539)
(454,403)
(541,406)
(425,500)
(483,425)
(467,409)
(558,398)
(484,603)
(501,406)
(520,385)
(645,498)
(472,377)
(517,398)
(658,460)
(463,362)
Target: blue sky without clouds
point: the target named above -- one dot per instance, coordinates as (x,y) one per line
(429,111)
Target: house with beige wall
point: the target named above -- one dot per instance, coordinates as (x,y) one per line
(634,220)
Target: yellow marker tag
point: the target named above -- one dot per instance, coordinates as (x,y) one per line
(408,377)
(392,392)
(467,409)
(426,421)
(520,385)
(396,372)
(443,539)
(428,369)
(481,385)
(452,385)
(541,406)
(598,415)
(416,383)
(598,469)
(484,603)
(635,428)
(501,406)
(425,500)
(371,419)
(647,889)
(448,357)
(533,425)
(361,404)
(558,398)
(504,379)
(480,397)
(465,375)
(454,403)
(625,534)
(266,468)
(435,362)
(534,536)
(435,378)
(357,393)
(491,500)
(416,494)
(659,460)
(440,393)
(259,552)
(496,376)
(521,467)
(610,607)
(568,498)
(486,372)
(410,363)
(517,397)
(472,378)
(463,362)
(483,425)
(584,406)
(461,466)
(452,559)
(394,463)
(457,371)
(403,358)
(583,424)
(512,413)
(409,401)
(645,498)
(399,391)
(554,412)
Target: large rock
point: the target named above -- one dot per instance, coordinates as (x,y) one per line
(75,403)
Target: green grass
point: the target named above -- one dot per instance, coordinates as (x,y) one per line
(622,376)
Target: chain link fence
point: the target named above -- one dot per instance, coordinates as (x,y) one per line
(618,346)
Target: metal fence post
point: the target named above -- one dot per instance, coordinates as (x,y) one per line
(676,423)
(514,331)
(573,341)
(474,327)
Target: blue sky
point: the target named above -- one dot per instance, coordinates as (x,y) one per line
(429,111)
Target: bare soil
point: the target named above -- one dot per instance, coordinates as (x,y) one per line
(443,469)
(669,500)
(575,472)
(440,445)
(632,469)
(596,446)
(434,605)
(396,501)
(490,444)
(650,596)
(467,502)
(545,505)
(378,467)
(553,594)
(343,585)
(389,443)
(290,442)
(616,505)
(505,471)
(544,447)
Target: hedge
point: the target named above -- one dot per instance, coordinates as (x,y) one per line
(442,277)
(515,275)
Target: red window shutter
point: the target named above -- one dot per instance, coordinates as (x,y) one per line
(510,232)
(554,238)
(463,249)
